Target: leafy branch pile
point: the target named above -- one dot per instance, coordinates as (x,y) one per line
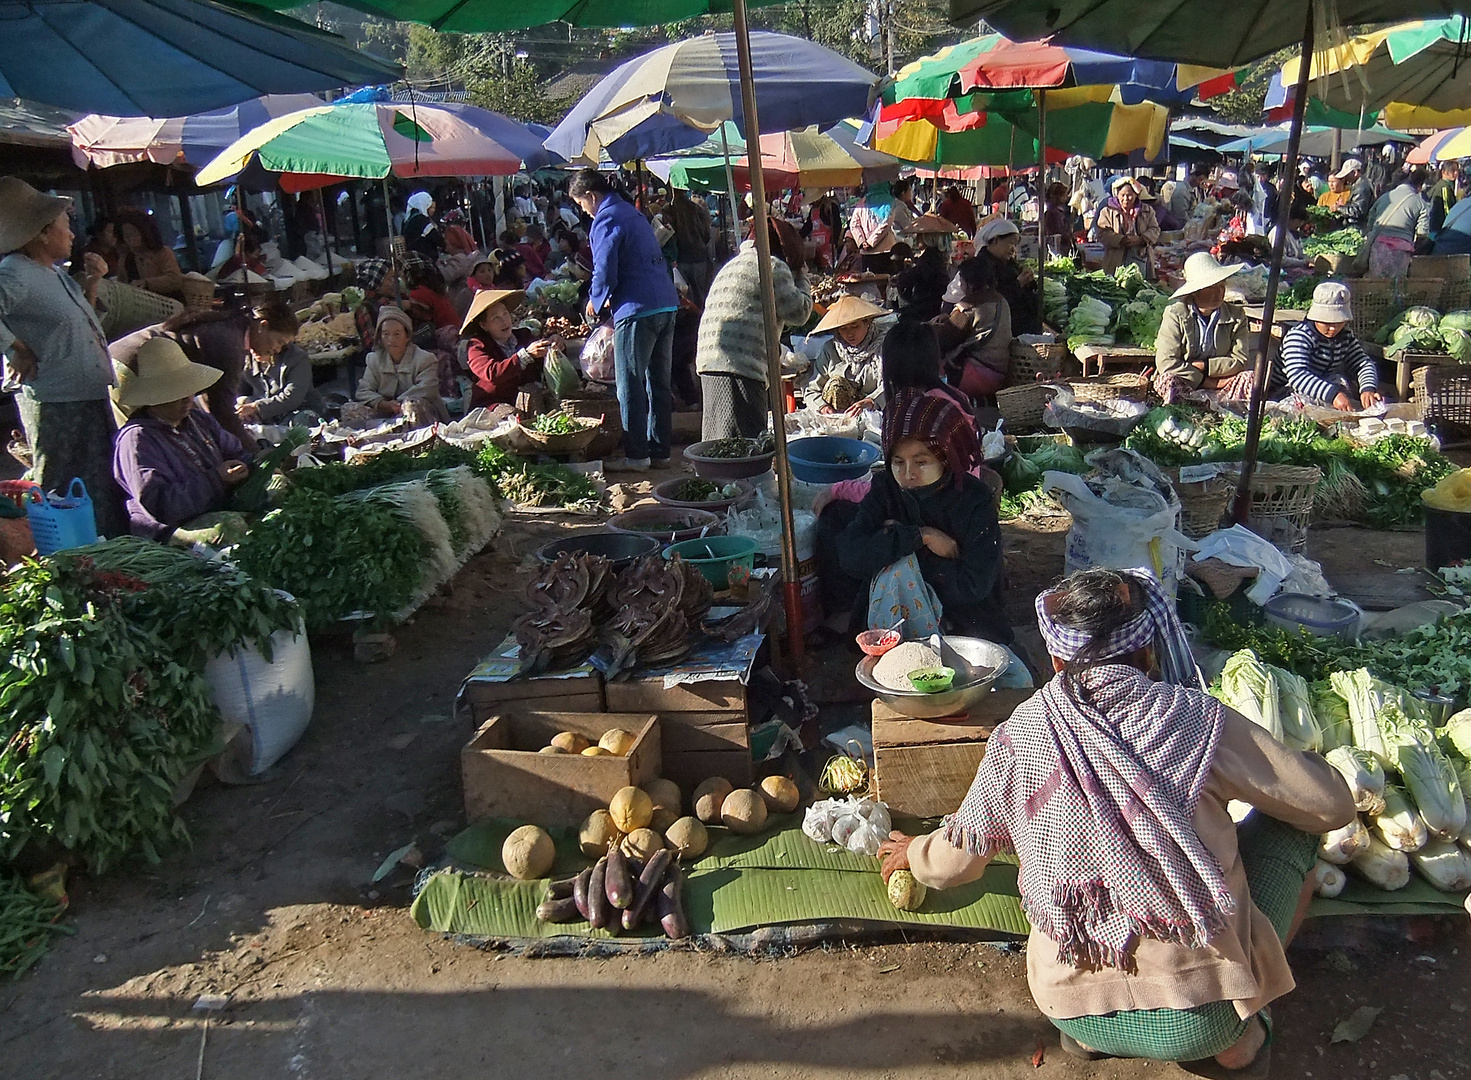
(525,483)
(98,720)
(27,924)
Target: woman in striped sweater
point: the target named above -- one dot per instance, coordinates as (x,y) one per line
(1323,362)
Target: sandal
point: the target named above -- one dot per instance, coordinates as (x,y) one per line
(1071,1046)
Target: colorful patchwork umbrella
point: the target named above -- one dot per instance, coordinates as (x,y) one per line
(1415,72)
(671,98)
(168,57)
(105,141)
(1429,148)
(315,147)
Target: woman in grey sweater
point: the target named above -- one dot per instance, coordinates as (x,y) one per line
(731,355)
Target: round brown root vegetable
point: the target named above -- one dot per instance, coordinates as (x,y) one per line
(744,812)
(571,741)
(528,853)
(688,837)
(598,833)
(642,844)
(781,794)
(664,794)
(663,818)
(631,809)
(710,797)
(552,750)
(597,751)
(617,741)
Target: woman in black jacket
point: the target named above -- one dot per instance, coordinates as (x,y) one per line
(926,504)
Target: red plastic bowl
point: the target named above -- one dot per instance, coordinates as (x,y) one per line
(878,642)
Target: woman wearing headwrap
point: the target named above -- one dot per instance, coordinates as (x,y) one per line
(925,542)
(1127,228)
(401,379)
(1158,924)
(975,335)
(996,245)
(380,286)
(848,377)
(420,231)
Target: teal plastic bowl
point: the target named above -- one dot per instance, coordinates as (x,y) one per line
(713,556)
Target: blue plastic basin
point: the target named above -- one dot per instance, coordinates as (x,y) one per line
(815,460)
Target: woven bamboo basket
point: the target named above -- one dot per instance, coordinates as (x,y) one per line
(1022,406)
(1202,502)
(1282,503)
(198,294)
(1373,305)
(1123,386)
(1047,364)
(1445,392)
(1454,270)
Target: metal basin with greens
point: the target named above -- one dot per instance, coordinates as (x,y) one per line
(982,662)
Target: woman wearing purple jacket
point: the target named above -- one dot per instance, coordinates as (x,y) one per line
(174,462)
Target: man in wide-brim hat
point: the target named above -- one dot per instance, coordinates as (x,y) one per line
(848,375)
(55,349)
(1202,340)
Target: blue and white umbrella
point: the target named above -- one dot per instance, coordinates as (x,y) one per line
(672,98)
(105,141)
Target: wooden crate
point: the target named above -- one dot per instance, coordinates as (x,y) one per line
(650,695)
(505,776)
(923,768)
(577,693)
(699,745)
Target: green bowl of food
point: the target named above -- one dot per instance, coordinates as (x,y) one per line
(933,681)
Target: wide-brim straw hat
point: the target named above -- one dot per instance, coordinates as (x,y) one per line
(24,212)
(1202,270)
(485,299)
(848,309)
(164,374)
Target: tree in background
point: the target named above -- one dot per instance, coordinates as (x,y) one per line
(1244,104)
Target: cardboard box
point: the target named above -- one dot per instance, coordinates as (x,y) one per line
(504,774)
(924,768)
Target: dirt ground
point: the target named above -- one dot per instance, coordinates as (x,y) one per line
(327,977)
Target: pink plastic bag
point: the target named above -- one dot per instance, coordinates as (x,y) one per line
(597,355)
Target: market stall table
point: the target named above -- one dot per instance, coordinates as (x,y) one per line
(1129,357)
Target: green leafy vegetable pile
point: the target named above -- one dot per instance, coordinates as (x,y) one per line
(1346,241)
(98,720)
(338,478)
(198,608)
(27,924)
(335,555)
(555,423)
(526,484)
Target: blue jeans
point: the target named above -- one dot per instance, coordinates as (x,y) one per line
(643,353)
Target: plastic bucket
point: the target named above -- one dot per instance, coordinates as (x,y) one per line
(1447,537)
(59,522)
(713,556)
(1318,615)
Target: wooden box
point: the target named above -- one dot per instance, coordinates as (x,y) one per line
(923,768)
(580,693)
(651,695)
(699,745)
(504,774)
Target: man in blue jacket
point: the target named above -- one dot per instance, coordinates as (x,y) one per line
(631,281)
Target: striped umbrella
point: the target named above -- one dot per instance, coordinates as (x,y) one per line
(312,148)
(104,141)
(673,97)
(1414,73)
(1429,148)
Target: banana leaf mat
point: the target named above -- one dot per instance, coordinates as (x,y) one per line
(780,876)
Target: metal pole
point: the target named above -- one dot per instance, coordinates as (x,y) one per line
(328,235)
(791,579)
(730,189)
(1041,189)
(1242,506)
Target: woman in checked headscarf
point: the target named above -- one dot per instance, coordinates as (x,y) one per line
(1158,924)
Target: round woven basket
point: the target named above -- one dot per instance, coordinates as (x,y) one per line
(1022,406)
(1030,362)
(198,294)
(1282,503)
(1202,502)
(571,443)
(1123,386)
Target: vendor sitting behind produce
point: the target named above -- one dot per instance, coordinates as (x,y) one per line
(502,357)
(1322,361)
(401,379)
(174,462)
(848,375)
(1158,925)
(276,384)
(925,544)
(1201,343)
(975,334)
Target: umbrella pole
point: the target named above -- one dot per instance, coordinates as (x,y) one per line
(791,580)
(730,189)
(388,213)
(1041,187)
(326,233)
(1242,506)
